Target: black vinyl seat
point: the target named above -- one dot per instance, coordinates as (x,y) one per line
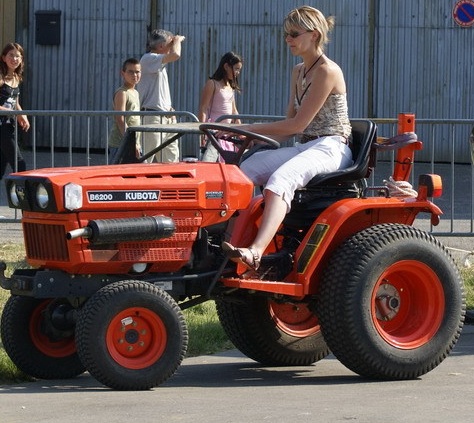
(364,133)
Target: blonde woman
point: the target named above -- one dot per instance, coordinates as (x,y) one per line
(316,112)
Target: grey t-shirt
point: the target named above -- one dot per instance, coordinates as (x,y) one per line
(153,86)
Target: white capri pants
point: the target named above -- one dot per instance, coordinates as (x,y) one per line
(287,169)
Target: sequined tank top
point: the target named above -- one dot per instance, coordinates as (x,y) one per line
(332,119)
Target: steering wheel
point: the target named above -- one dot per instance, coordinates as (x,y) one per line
(233,157)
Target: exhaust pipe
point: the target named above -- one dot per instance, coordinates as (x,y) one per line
(109,231)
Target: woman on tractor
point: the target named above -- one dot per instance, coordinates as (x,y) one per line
(316,112)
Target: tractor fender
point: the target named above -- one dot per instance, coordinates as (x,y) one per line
(345,218)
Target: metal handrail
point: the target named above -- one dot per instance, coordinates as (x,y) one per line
(454,204)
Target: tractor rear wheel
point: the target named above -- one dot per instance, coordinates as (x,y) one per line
(391,302)
(131,335)
(273,333)
(38,343)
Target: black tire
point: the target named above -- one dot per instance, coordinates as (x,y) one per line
(131,335)
(392,302)
(273,334)
(32,342)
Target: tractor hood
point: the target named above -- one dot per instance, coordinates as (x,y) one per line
(197,186)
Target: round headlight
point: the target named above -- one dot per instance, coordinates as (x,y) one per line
(42,197)
(13,195)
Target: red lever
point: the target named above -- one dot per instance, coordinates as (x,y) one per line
(405,155)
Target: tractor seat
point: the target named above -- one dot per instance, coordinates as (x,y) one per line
(364,133)
(326,188)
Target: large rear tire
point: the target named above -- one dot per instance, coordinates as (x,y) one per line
(131,335)
(273,333)
(391,302)
(34,343)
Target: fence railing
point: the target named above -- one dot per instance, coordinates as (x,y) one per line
(72,140)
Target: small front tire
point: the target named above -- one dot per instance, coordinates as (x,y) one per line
(131,335)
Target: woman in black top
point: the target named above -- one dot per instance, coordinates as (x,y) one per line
(11,74)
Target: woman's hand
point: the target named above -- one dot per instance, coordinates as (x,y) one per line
(23,122)
(230,134)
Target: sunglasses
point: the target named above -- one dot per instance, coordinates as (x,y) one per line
(294,34)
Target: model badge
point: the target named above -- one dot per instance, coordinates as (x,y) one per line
(122,196)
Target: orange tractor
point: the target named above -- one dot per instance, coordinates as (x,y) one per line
(117,252)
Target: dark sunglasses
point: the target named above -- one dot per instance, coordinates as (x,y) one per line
(294,34)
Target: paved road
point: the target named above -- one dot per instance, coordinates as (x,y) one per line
(231,388)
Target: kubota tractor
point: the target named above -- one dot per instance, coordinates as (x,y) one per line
(117,252)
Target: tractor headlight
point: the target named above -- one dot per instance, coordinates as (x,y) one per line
(13,195)
(72,196)
(42,196)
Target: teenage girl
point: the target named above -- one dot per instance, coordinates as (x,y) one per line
(11,75)
(218,98)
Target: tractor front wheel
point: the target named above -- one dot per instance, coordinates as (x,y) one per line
(131,335)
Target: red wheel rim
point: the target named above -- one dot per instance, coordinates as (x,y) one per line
(294,319)
(60,348)
(408,304)
(136,338)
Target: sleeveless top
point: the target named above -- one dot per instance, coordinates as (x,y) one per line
(132,103)
(332,118)
(8,99)
(221,103)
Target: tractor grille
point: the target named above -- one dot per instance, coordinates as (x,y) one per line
(45,242)
(175,249)
(178,194)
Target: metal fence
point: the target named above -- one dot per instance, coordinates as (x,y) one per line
(458,175)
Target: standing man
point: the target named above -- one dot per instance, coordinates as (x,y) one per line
(154,91)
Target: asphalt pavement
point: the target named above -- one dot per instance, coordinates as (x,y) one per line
(229,387)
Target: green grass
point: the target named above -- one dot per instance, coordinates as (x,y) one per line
(206,335)
(468,277)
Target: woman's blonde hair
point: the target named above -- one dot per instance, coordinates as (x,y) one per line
(310,19)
